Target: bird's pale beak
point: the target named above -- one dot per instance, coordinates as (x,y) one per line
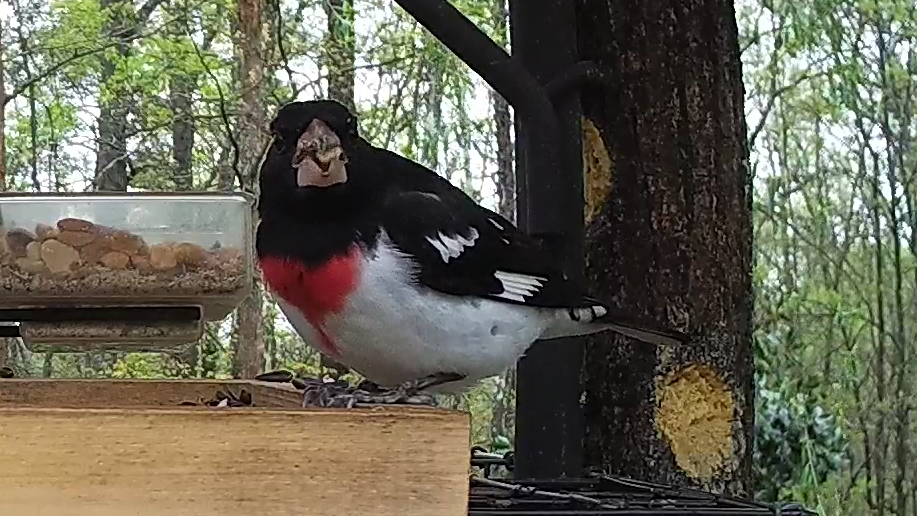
(319,159)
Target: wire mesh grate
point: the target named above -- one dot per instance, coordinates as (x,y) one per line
(600,495)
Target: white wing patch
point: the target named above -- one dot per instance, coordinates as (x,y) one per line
(452,246)
(431,195)
(519,286)
(496,224)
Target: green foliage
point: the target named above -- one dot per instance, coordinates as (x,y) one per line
(829,93)
(148,365)
(796,442)
(835,253)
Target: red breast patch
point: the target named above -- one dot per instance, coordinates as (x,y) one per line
(316,291)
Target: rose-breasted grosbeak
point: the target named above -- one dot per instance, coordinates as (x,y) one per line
(389,269)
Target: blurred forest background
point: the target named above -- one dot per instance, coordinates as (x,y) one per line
(174,95)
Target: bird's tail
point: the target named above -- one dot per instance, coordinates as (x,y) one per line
(595,318)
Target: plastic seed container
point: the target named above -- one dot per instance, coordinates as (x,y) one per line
(132,249)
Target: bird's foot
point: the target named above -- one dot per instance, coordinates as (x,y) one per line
(408,393)
(332,394)
(319,393)
(368,393)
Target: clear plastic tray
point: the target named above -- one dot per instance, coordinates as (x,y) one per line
(104,249)
(81,336)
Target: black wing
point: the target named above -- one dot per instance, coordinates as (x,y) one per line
(463,248)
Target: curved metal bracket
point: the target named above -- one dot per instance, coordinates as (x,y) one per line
(503,73)
(540,81)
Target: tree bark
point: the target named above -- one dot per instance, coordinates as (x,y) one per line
(339,52)
(181,88)
(111,160)
(111,172)
(29,78)
(5,344)
(182,84)
(2,120)
(669,239)
(505,177)
(248,346)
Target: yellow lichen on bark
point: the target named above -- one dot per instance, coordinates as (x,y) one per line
(597,168)
(694,413)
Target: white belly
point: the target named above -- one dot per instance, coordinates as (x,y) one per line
(391,334)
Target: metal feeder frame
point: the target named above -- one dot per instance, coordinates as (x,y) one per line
(538,82)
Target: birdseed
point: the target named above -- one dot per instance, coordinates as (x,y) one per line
(79,336)
(78,259)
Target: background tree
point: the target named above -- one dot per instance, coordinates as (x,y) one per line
(829,95)
(4,343)
(248,343)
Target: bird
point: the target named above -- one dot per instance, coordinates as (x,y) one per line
(386,267)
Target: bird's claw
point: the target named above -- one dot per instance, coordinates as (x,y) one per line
(368,393)
(335,395)
(321,393)
(339,394)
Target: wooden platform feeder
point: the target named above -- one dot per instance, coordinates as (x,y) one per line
(126,447)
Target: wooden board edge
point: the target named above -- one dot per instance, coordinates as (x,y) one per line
(406,412)
(285,395)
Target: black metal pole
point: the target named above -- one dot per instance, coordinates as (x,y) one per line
(549,427)
(550,198)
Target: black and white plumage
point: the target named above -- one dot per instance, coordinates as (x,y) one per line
(395,272)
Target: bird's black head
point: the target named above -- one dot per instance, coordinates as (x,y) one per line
(309,152)
(295,118)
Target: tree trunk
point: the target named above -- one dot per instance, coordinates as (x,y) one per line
(669,239)
(339,51)
(505,177)
(2,119)
(26,63)
(248,348)
(111,159)
(111,172)
(181,87)
(5,344)
(181,91)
